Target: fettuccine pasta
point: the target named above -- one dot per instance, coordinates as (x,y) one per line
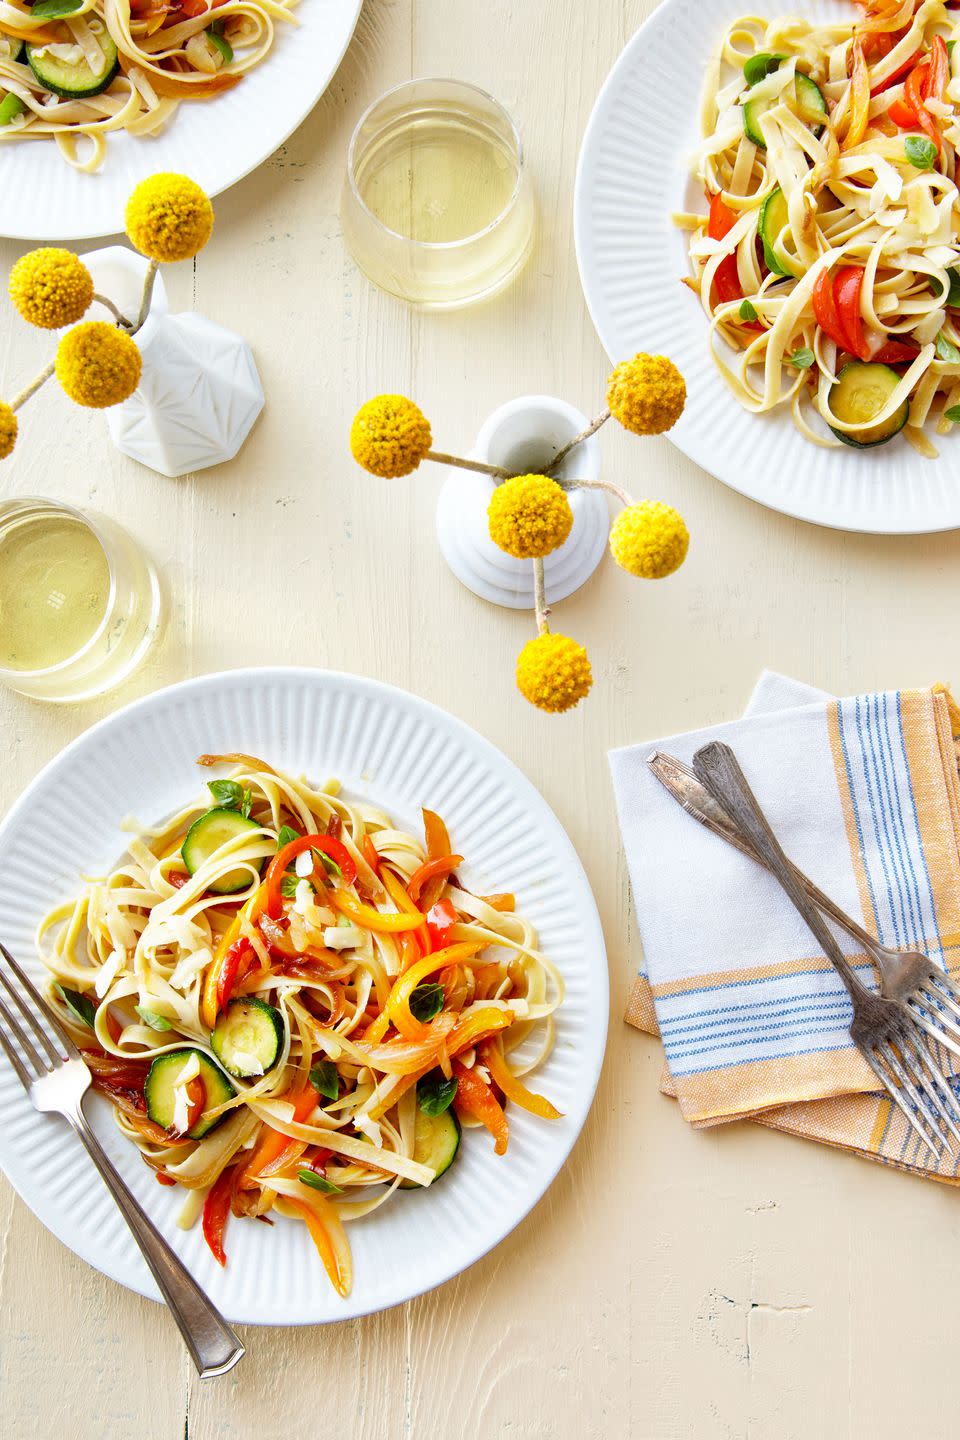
(78,70)
(293,1005)
(830,257)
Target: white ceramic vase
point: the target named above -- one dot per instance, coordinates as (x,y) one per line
(523,436)
(199,393)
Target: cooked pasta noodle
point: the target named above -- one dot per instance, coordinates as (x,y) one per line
(828,261)
(94,67)
(291,1040)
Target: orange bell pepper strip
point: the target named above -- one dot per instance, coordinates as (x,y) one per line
(441,867)
(478,1026)
(475,1099)
(491,1054)
(437,838)
(339,1279)
(406,906)
(398,1005)
(209,1008)
(371,919)
(272,1142)
(915,94)
(503,901)
(216,1209)
(369,852)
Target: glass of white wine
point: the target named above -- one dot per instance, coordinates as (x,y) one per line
(437,205)
(80,604)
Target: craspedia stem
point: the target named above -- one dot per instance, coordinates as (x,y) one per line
(479,465)
(33,387)
(540,597)
(147,294)
(591,429)
(108,304)
(607,485)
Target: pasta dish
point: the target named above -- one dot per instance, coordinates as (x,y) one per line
(86,68)
(829,259)
(294,1006)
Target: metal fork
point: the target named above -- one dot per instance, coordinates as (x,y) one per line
(883,1029)
(58,1083)
(905,975)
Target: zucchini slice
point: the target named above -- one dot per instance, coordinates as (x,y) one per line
(436,1141)
(64,69)
(863,389)
(809,105)
(774,218)
(161,1087)
(248,1037)
(204,839)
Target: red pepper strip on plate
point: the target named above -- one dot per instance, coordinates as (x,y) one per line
(491,1054)
(915,93)
(441,919)
(237,957)
(897,75)
(722,218)
(896,352)
(902,114)
(272,1142)
(475,1099)
(848,287)
(216,1208)
(369,852)
(939,72)
(825,309)
(326,844)
(442,866)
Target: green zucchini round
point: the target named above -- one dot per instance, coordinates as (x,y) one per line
(159,1089)
(74,80)
(863,389)
(204,838)
(436,1140)
(249,1029)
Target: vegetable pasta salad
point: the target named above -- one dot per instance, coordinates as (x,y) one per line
(294,1006)
(830,255)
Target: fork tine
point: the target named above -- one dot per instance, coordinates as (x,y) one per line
(44,1007)
(944,991)
(907,1083)
(933,1027)
(25,1043)
(23,1074)
(901,1104)
(27,1015)
(938,1087)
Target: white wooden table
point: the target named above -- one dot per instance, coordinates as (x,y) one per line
(672,1284)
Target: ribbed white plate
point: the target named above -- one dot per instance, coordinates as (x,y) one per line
(216,142)
(633,175)
(401,753)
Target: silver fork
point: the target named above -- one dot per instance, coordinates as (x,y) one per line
(57,1082)
(905,975)
(883,1029)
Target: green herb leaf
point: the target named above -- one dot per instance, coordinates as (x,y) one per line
(246,804)
(953,295)
(54,9)
(288,885)
(331,866)
(748,311)
(426,1001)
(758,67)
(285,835)
(801,359)
(953,414)
(920,151)
(151,1018)
(227,793)
(435,1092)
(325,1080)
(79,1005)
(318,1182)
(946,350)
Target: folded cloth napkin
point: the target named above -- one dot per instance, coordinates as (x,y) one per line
(864,796)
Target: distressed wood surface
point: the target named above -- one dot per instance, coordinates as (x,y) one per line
(672,1284)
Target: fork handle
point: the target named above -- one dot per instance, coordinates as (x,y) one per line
(213,1345)
(719,770)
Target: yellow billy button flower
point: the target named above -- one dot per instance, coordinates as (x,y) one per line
(8,430)
(529,516)
(168,217)
(97,364)
(649,540)
(51,288)
(553,673)
(646,394)
(390,436)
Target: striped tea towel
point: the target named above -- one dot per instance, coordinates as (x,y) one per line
(863,793)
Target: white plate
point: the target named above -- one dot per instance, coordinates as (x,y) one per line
(402,753)
(216,142)
(633,175)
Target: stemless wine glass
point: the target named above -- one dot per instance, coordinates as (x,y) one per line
(437,205)
(80,604)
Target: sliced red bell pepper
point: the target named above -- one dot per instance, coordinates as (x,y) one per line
(896,352)
(338,852)
(431,870)
(897,75)
(848,287)
(825,309)
(216,1209)
(915,95)
(475,1099)
(902,114)
(228,975)
(722,218)
(369,852)
(939,72)
(441,919)
(196,1093)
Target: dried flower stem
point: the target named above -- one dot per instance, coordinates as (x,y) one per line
(109,305)
(33,387)
(540,597)
(608,485)
(591,429)
(478,465)
(147,294)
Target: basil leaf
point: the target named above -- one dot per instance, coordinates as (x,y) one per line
(79,1005)
(920,151)
(54,9)
(331,866)
(318,1182)
(426,1001)
(247,804)
(285,835)
(151,1018)
(435,1092)
(288,885)
(227,793)
(801,359)
(946,350)
(758,67)
(325,1080)
(953,414)
(748,311)
(953,294)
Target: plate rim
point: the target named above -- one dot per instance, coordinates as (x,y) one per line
(581,227)
(592,925)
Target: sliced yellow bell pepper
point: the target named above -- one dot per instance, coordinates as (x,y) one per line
(371,919)
(398,1005)
(491,1054)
